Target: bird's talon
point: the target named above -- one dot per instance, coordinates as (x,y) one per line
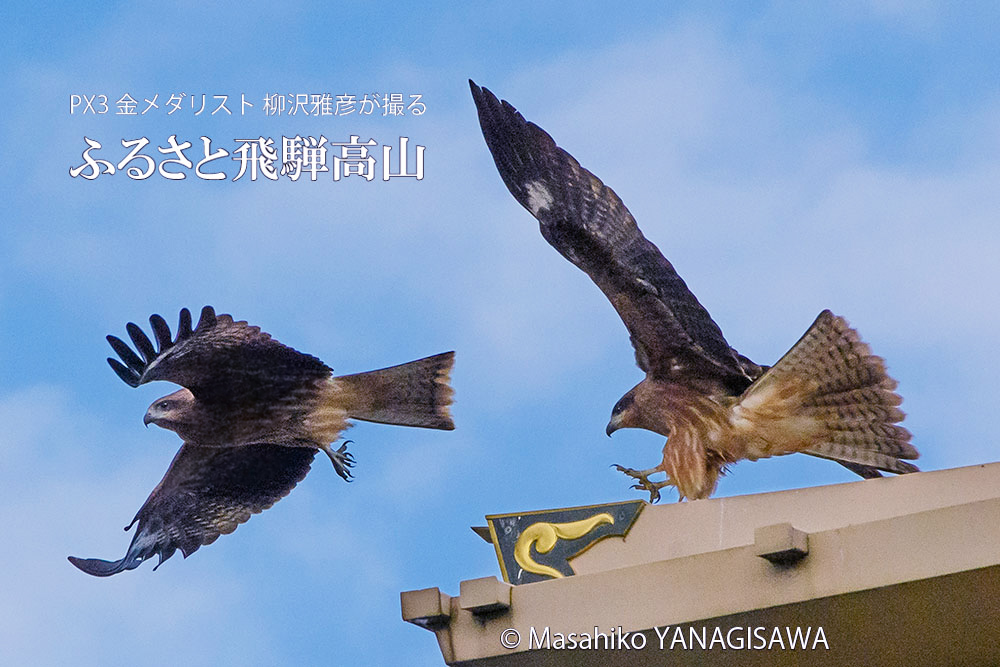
(643,482)
(342,460)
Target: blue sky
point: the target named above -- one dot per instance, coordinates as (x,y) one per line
(786,157)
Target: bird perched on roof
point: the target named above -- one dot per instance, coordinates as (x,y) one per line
(252,414)
(828,396)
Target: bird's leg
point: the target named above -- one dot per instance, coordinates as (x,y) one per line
(642,476)
(342,459)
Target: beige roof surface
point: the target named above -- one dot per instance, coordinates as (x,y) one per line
(895,571)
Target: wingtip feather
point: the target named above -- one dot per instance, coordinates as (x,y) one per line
(141,341)
(104,568)
(184,324)
(135,366)
(128,376)
(130,358)
(161,331)
(207,318)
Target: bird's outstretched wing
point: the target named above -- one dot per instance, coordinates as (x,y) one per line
(206,492)
(674,336)
(221,361)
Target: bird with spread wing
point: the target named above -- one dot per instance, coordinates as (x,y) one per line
(828,396)
(252,414)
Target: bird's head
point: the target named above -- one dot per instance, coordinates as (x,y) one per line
(171,411)
(637,409)
(623,414)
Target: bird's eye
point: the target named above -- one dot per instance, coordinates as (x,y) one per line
(621,405)
(163,405)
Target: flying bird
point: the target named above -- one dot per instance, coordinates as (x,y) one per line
(252,414)
(828,396)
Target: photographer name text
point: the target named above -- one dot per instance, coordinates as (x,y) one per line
(674,638)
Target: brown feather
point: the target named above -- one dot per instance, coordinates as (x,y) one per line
(206,493)
(583,219)
(417,393)
(849,403)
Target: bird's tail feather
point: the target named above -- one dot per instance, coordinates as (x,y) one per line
(845,400)
(417,393)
